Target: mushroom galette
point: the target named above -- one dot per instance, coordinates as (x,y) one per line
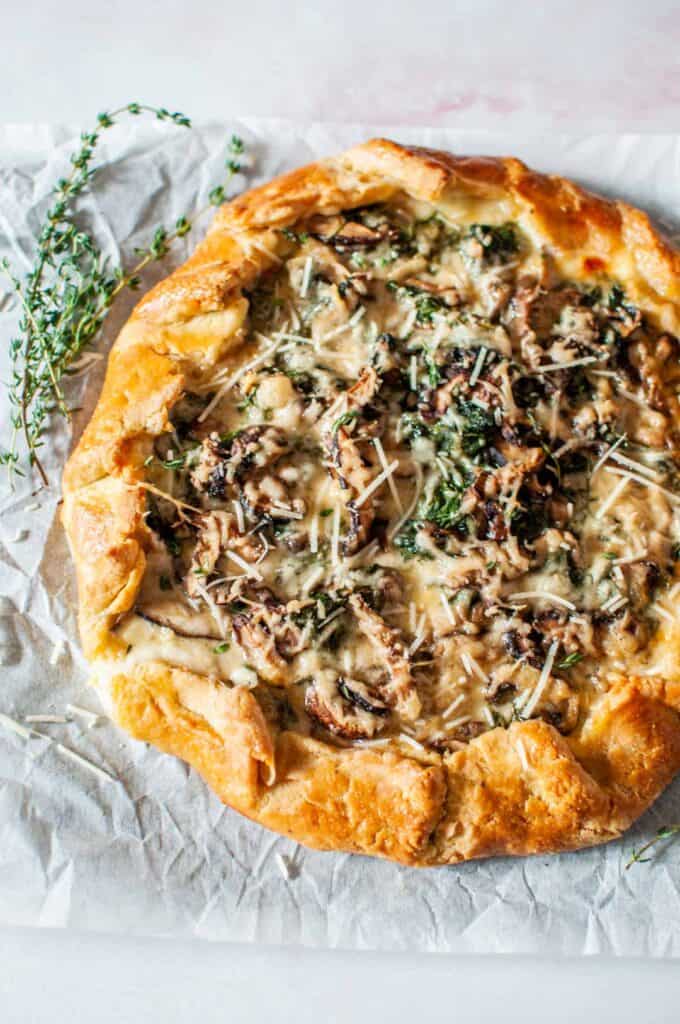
(377,520)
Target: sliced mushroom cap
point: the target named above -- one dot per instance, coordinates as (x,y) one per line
(174,614)
(458,385)
(389,643)
(324,227)
(210,473)
(457,739)
(364,389)
(346,707)
(499,690)
(214,529)
(259,646)
(352,233)
(469,731)
(351,472)
(257,447)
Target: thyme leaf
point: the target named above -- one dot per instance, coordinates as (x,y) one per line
(664,833)
(66,295)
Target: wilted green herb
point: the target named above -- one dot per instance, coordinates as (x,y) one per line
(347,417)
(499,243)
(293,236)
(175,463)
(477,429)
(444,505)
(70,288)
(571,659)
(427,307)
(406,540)
(433,371)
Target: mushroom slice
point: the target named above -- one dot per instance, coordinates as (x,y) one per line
(389,644)
(210,472)
(561,708)
(353,234)
(257,447)
(352,474)
(348,465)
(458,385)
(324,227)
(346,707)
(364,389)
(180,618)
(215,529)
(259,645)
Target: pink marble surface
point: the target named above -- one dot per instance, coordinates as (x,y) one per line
(483,64)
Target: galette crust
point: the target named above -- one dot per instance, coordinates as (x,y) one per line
(518,791)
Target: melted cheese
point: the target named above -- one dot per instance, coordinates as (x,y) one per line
(463,448)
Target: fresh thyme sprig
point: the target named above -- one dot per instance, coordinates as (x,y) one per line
(666,832)
(69,290)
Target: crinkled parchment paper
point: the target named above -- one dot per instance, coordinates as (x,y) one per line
(155,851)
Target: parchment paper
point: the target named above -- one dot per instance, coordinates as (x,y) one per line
(155,852)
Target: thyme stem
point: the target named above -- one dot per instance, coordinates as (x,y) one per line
(69,290)
(666,832)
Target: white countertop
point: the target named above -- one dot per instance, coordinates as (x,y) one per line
(96,979)
(470,64)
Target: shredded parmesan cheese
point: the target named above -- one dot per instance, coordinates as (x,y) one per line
(283,864)
(84,763)
(552,367)
(543,680)
(335,536)
(612,498)
(376,483)
(477,368)
(659,610)
(90,717)
(456,722)
(377,443)
(486,711)
(522,754)
(240,520)
(542,595)
(637,466)
(314,535)
(607,455)
(16,727)
(447,607)
(412,742)
(57,652)
(673,498)
(474,668)
(455,703)
(348,326)
(47,719)
(249,569)
(408,323)
(414,501)
(236,377)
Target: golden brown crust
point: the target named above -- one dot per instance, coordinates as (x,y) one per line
(355,800)
(516,791)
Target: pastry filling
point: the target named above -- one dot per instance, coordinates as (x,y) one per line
(434,489)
